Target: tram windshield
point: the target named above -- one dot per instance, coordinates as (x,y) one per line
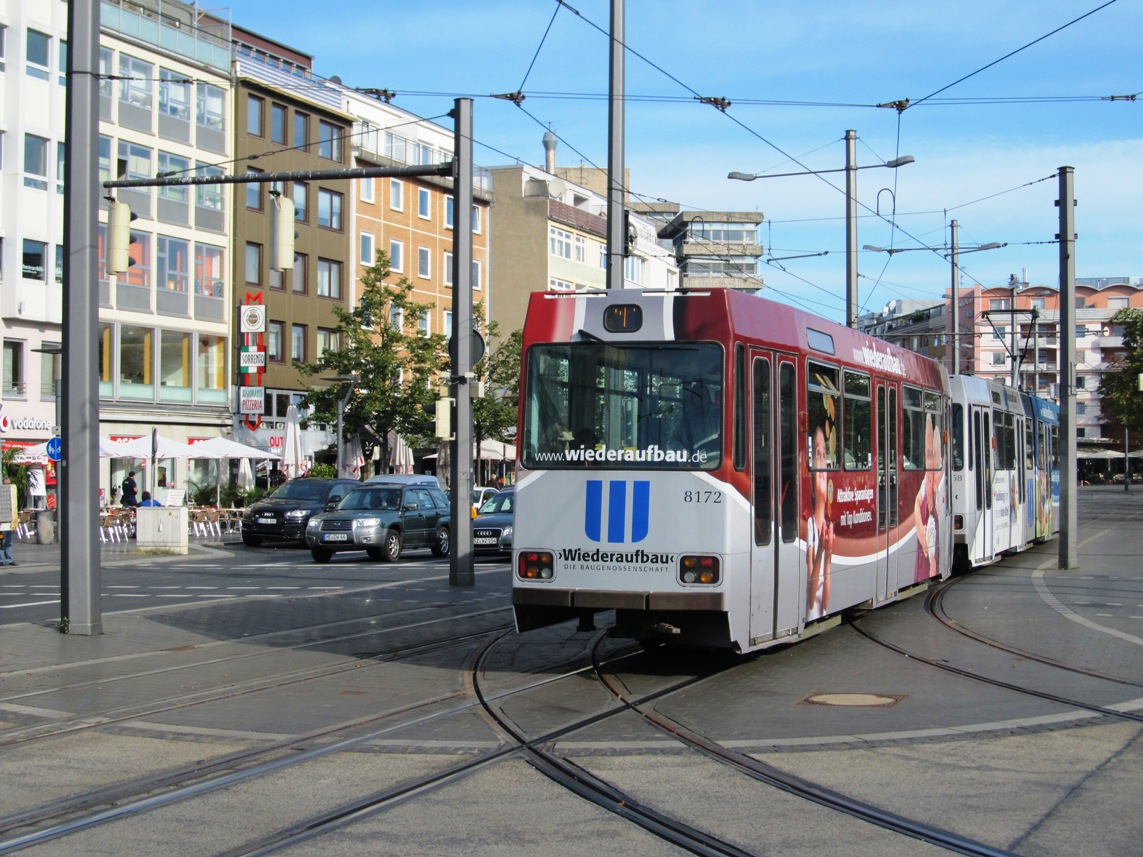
(602,405)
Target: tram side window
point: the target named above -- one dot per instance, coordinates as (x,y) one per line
(763,466)
(1005,435)
(958,436)
(857,448)
(822,395)
(934,440)
(913,428)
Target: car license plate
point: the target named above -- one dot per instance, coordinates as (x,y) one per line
(484,541)
(335,537)
(266,520)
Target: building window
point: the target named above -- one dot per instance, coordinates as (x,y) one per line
(301,130)
(476,220)
(35,262)
(298,342)
(208,195)
(174,165)
(1117,303)
(998,358)
(475,274)
(253,263)
(59,269)
(301,195)
(423,323)
(559,243)
(580,249)
(274,337)
(173,256)
(396,318)
(367,190)
(301,274)
(61,64)
(424,204)
(1037,303)
(329,278)
(633,269)
(448,331)
(253,191)
(446,271)
(327,340)
(135,163)
(367,252)
(329,141)
(211,107)
(557,285)
(998,304)
(1081,382)
(209,273)
(329,209)
(449,202)
(396,195)
(278,123)
(136,82)
(35,162)
(38,59)
(212,379)
(396,256)
(4,47)
(1081,331)
(1081,408)
(424,262)
(50,367)
(174,95)
(254,106)
(13,368)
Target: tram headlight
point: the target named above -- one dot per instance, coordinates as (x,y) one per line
(702,570)
(536,565)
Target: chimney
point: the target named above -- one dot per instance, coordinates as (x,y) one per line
(550,141)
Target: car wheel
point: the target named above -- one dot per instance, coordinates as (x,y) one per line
(321,555)
(251,541)
(374,553)
(440,543)
(391,549)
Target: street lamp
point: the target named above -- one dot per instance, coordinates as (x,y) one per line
(850,171)
(954,251)
(350,381)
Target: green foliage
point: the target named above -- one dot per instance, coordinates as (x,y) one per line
(17,473)
(322,471)
(398,370)
(202,494)
(1120,400)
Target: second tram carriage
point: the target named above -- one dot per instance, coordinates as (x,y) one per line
(722,470)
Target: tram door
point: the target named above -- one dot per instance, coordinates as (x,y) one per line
(981,547)
(776,575)
(888,472)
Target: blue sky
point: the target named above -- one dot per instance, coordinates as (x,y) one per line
(798,75)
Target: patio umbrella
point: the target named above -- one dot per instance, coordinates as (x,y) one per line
(224,447)
(293,460)
(354,460)
(245,475)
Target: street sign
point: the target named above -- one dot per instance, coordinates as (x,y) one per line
(476,344)
(55,448)
(251,360)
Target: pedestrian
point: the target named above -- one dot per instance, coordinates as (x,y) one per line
(9,519)
(130,490)
(148,500)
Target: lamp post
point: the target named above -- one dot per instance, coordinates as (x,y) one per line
(850,171)
(954,251)
(350,381)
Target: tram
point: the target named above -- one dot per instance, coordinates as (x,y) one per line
(722,470)
(1005,471)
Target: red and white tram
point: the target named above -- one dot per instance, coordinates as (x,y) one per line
(722,470)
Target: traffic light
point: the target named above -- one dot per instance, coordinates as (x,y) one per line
(282,233)
(443,420)
(119,256)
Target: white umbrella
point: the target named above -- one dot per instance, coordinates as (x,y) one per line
(245,475)
(155,446)
(111,448)
(400,455)
(293,460)
(224,447)
(354,460)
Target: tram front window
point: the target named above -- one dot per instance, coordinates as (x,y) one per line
(602,405)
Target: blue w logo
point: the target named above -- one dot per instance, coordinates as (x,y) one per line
(617,510)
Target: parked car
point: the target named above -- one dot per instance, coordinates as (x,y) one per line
(406,479)
(283,515)
(492,526)
(382,519)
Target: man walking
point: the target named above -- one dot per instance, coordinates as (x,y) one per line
(130,491)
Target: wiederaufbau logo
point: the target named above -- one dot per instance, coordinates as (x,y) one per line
(627,514)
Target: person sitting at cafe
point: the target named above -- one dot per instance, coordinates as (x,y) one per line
(148,500)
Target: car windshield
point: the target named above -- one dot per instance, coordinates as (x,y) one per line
(371,499)
(301,491)
(498,504)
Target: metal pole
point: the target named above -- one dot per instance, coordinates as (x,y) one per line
(954,358)
(616,240)
(1069,515)
(340,423)
(1015,353)
(460,569)
(78,506)
(1126,459)
(851,228)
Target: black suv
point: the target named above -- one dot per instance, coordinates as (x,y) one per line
(283,515)
(382,519)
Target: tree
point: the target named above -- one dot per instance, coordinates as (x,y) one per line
(1119,397)
(398,370)
(494,414)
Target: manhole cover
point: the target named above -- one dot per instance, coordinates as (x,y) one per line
(859,700)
